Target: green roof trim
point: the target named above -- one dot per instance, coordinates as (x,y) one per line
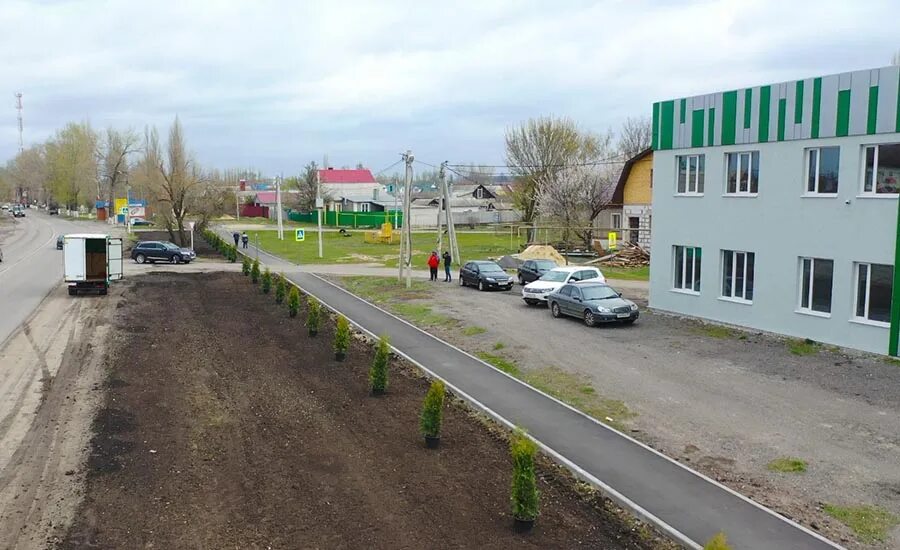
(711,134)
(872,114)
(782,115)
(654,140)
(748,107)
(729,114)
(765,97)
(798,103)
(697,128)
(816,107)
(667,124)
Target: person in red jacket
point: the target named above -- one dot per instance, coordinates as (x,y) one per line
(433,263)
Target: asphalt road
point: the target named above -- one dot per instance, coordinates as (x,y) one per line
(32,266)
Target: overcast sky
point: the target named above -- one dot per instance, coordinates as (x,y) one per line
(274,84)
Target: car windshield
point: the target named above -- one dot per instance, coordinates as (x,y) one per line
(490,268)
(598,292)
(545,264)
(555,276)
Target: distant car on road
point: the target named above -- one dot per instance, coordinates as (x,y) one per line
(593,303)
(140,221)
(537,292)
(53,210)
(18,211)
(60,241)
(161,251)
(5,207)
(532,270)
(485,275)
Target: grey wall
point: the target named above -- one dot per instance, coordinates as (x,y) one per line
(779,225)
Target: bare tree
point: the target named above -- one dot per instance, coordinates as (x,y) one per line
(180,175)
(537,152)
(113,156)
(28,171)
(635,136)
(583,191)
(307,185)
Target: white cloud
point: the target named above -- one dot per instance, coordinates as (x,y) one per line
(275,83)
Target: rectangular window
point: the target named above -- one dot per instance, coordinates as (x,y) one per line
(822,167)
(882,169)
(742,173)
(364,207)
(617,221)
(737,275)
(815,284)
(691,174)
(874,283)
(687,268)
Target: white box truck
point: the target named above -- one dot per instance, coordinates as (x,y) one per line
(91,261)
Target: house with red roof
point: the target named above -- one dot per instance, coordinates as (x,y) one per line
(354,190)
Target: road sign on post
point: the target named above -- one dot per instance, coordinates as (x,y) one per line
(612,240)
(299,235)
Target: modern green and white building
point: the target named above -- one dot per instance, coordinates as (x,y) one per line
(776,208)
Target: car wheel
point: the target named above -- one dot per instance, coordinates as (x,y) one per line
(589,318)
(554,310)
(176,259)
(72,291)
(481,285)
(462,282)
(521,280)
(140,258)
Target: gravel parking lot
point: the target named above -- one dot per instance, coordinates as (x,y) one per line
(728,402)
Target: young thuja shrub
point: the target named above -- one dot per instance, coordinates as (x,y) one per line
(280,288)
(245,265)
(718,542)
(341,338)
(254,272)
(293,302)
(524,492)
(266,281)
(433,413)
(378,374)
(232,254)
(313,315)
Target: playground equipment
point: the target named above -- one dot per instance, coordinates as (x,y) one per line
(383,236)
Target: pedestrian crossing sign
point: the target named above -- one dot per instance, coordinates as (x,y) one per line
(299,235)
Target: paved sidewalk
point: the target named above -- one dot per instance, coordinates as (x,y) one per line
(690,507)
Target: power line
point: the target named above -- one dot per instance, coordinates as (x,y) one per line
(378,173)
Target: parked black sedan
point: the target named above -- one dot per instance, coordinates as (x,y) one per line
(484,275)
(532,270)
(593,303)
(161,251)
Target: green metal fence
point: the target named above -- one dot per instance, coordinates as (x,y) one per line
(350,219)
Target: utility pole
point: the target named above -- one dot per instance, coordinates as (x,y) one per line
(19,118)
(451,228)
(320,204)
(406,234)
(278,183)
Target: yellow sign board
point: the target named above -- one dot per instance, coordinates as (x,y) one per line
(121,206)
(612,240)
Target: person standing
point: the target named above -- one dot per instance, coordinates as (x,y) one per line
(245,238)
(433,263)
(447,260)
(236,236)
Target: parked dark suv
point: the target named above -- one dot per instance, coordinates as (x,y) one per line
(532,270)
(484,275)
(161,251)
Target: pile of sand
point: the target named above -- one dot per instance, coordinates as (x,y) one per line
(541,252)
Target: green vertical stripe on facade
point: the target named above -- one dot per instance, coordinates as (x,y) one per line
(654,140)
(897,128)
(842,127)
(798,103)
(765,96)
(817,107)
(782,116)
(666,124)
(729,117)
(697,128)
(872,118)
(895,293)
(748,103)
(711,134)
(681,111)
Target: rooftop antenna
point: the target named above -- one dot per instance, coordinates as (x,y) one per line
(19,116)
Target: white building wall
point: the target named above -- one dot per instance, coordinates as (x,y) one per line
(337,190)
(779,226)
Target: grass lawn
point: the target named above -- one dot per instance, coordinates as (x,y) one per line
(641,273)
(338,248)
(870,523)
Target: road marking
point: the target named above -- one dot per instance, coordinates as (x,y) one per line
(33,252)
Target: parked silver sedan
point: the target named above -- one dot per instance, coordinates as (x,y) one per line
(592,302)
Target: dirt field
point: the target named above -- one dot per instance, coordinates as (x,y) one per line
(226,426)
(726,402)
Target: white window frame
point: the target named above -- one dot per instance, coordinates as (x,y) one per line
(696,261)
(865,318)
(479,193)
(862,179)
(364,207)
(700,159)
(616,220)
(806,158)
(741,156)
(809,297)
(734,297)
